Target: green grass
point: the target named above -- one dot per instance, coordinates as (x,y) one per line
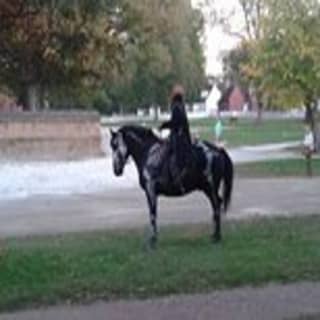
(278,168)
(306,317)
(247,132)
(84,267)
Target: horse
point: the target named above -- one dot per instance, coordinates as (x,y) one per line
(211,169)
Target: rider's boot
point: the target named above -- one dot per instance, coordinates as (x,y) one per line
(178,180)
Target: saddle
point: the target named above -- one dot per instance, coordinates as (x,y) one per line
(162,162)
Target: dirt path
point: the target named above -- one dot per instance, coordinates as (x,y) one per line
(127,208)
(274,302)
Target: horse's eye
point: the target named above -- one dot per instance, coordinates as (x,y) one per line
(114,144)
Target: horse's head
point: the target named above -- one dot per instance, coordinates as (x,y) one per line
(120,153)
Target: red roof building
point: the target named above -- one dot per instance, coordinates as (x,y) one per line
(234,99)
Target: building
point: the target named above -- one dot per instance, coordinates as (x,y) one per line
(234,99)
(212,101)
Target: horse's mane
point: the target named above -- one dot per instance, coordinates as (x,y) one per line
(144,134)
(147,136)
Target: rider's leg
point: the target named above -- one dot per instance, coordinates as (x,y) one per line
(179,169)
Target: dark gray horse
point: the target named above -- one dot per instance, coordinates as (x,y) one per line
(210,167)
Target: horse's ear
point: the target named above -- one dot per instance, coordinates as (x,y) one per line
(113,133)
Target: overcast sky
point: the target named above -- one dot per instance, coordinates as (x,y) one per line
(216,40)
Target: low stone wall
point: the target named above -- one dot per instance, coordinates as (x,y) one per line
(49,136)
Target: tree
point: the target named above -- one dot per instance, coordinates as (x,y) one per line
(164,48)
(249,15)
(108,54)
(287,59)
(233,60)
(50,44)
(248,29)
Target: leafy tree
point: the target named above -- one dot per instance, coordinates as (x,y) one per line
(250,13)
(286,60)
(106,54)
(165,49)
(50,44)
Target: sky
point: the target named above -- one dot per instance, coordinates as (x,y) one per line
(216,41)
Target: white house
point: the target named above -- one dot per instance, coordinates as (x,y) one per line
(212,101)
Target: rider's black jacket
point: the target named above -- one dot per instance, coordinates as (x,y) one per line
(180,138)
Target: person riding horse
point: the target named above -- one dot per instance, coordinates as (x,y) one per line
(180,143)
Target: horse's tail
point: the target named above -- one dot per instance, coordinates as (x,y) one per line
(227,180)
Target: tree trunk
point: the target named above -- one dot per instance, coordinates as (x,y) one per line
(256,103)
(44,101)
(33,97)
(311,121)
(156,113)
(259,112)
(23,100)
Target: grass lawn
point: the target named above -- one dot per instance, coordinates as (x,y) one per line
(310,317)
(247,132)
(277,168)
(84,267)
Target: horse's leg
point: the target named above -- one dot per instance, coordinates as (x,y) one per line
(152,203)
(216,237)
(215,202)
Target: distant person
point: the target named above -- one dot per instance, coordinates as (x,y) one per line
(308,141)
(180,139)
(218,130)
(308,149)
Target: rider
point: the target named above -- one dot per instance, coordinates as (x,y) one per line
(180,138)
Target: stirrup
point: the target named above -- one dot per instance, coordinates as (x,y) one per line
(179,183)
(180,186)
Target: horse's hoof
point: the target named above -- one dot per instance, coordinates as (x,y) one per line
(151,244)
(216,238)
